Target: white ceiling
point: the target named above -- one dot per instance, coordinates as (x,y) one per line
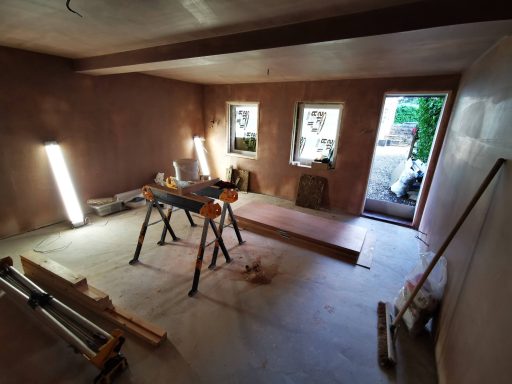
(442,50)
(109,26)
(121,25)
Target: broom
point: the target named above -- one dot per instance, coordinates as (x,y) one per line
(387,322)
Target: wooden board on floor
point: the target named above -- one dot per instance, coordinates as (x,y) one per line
(303,229)
(54,269)
(366,256)
(82,294)
(87,296)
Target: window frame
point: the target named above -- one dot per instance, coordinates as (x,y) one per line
(298,122)
(231,130)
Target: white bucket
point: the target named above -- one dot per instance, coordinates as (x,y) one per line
(186,169)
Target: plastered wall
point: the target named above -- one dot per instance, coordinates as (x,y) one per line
(474,342)
(116,132)
(271,172)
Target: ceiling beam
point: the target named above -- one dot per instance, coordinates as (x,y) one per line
(402,18)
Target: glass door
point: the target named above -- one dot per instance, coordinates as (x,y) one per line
(407,131)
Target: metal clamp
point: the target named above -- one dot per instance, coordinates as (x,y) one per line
(147,193)
(210,210)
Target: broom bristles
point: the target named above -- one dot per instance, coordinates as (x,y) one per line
(385,348)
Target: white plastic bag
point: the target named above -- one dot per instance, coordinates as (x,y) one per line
(405,180)
(426,301)
(159,179)
(403,184)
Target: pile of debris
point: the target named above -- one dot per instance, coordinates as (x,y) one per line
(255,274)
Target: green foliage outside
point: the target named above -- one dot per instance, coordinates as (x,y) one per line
(406,114)
(428,114)
(250,143)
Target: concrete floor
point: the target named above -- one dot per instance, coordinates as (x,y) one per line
(314,323)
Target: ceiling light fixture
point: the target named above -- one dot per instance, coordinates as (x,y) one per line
(66,188)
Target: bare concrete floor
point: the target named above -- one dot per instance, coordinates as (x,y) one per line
(314,323)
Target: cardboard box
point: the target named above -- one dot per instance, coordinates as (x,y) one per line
(108,208)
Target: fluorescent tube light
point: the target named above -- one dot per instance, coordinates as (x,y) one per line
(198,142)
(66,188)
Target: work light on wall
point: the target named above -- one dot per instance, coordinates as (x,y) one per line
(66,188)
(200,151)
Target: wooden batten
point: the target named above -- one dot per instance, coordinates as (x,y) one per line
(53,269)
(34,267)
(62,282)
(136,325)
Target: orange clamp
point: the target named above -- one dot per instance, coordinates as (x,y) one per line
(210,210)
(229,196)
(146,192)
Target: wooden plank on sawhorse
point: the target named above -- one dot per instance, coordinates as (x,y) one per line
(196,186)
(192,187)
(189,187)
(206,207)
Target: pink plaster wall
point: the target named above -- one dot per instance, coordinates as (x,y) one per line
(116,133)
(474,343)
(271,173)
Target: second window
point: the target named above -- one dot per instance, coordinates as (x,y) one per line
(316,132)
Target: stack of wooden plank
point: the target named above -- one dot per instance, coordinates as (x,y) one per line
(310,231)
(66,284)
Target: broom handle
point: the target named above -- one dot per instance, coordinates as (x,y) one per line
(452,234)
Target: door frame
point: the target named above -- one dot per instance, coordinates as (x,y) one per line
(434,152)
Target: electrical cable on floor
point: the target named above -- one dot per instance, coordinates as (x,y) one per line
(35,249)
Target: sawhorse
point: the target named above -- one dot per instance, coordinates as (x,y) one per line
(227,196)
(146,224)
(202,205)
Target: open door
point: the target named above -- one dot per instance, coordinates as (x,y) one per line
(406,139)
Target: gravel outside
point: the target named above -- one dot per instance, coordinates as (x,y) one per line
(385,161)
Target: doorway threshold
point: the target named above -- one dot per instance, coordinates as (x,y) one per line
(387,219)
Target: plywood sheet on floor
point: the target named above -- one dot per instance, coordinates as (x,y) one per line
(303,229)
(366,256)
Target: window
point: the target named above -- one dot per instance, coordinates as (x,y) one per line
(243,129)
(316,132)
